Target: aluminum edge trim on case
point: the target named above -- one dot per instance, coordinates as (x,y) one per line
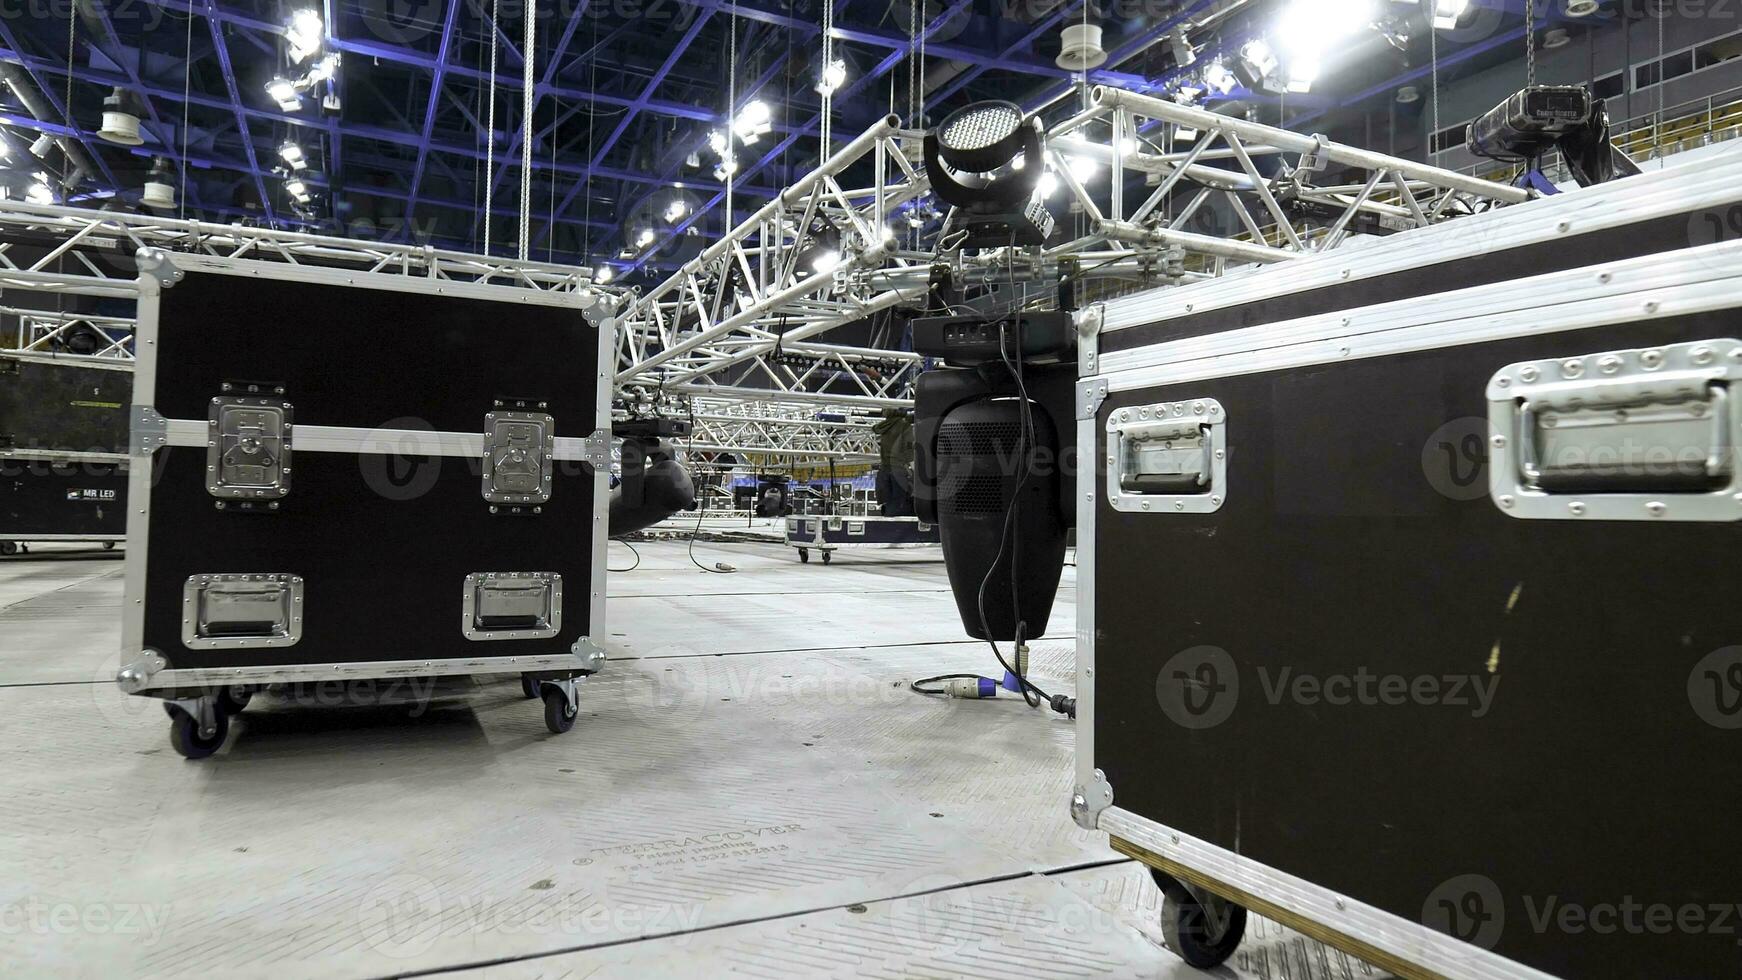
(1290,897)
(1653,287)
(138,664)
(606,324)
(1091,794)
(189,262)
(1672,190)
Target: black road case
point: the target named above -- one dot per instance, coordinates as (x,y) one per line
(348,476)
(829,533)
(63,449)
(1438,653)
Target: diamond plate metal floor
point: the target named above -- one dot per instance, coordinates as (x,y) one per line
(750,789)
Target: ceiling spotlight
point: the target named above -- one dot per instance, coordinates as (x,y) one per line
(1219,78)
(604,274)
(726,169)
(1302,73)
(159,190)
(718,143)
(1556,38)
(304,34)
(826,262)
(675,211)
(1408,94)
(292,154)
(40,147)
(644,238)
(1184,55)
(1083,168)
(297,189)
(121,111)
(1257,60)
(323,69)
(1186,134)
(39,193)
(833,77)
(753,121)
(1447,12)
(282,91)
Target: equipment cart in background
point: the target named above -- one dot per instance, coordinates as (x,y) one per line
(1490,466)
(63,449)
(826,533)
(351,476)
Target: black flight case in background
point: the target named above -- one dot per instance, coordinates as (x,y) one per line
(349,476)
(1410,590)
(63,449)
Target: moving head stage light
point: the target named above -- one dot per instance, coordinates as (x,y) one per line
(994,455)
(1524,127)
(986,161)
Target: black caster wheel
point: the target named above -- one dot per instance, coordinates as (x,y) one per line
(826,556)
(1203,936)
(559,715)
(804,555)
(8,548)
(185,737)
(234,700)
(108,546)
(528,687)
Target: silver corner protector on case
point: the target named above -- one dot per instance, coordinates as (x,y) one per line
(157,263)
(591,655)
(147,431)
(1088,801)
(1091,392)
(136,676)
(1089,323)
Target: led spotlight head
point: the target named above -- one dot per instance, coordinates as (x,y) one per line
(982,137)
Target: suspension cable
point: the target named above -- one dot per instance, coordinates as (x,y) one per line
(490,129)
(526,47)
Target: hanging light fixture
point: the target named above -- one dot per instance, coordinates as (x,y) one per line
(159,189)
(121,111)
(753,121)
(834,75)
(283,91)
(304,34)
(292,154)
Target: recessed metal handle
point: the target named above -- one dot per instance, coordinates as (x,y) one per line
(1646,434)
(512,606)
(1168,458)
(241,610)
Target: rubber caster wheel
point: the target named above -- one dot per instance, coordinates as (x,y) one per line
(1203,937)
(108,546)
(234,700)
(559,715)
(529,687)
(8,548)
(185,737)
(826,556)
(804,556)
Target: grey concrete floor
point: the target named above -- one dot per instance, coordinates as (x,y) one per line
(750,790)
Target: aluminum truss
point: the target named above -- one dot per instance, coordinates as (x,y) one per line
(743,314)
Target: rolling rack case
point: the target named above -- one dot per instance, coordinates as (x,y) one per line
(1439,652)
(829,532)
(63,449)
(348,476)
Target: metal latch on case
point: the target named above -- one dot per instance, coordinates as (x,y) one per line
(248,448)
(518,463)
